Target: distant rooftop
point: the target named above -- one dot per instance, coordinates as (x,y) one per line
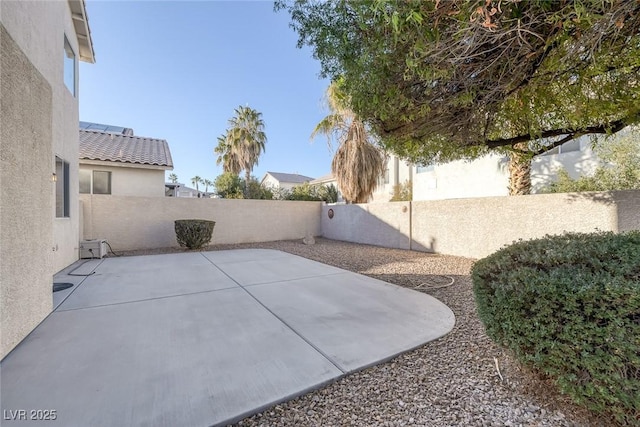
(290,177)
(324,178)
(106,128)
(116,147)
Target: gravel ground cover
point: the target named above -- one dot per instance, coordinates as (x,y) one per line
(462,379)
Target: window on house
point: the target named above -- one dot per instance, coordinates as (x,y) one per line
(573,145)
(84,176)
(69,67)
(567,147)
(62,188)
(425,168)
(101,182)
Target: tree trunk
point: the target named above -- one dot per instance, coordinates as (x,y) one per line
(247,177)
(519,172)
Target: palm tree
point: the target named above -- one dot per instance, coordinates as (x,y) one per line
(207,183)
(195,181)
(226,156)
(173,178)
(357,164)
(246,138)
(519,171)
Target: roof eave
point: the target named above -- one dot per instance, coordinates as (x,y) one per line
(116,163)
(83,32)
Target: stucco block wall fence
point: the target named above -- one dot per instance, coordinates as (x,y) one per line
(130,223)
(465,227)
(478,227)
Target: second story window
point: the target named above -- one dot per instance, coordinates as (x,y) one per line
(69,67)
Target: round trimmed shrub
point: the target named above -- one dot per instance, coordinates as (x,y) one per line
(569,306)
(194,233)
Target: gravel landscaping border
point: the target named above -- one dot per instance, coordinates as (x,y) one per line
(461,379)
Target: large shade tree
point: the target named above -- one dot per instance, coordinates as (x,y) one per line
(357,164)
(444,80)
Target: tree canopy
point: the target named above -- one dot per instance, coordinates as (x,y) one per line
(443,80)
(240,147)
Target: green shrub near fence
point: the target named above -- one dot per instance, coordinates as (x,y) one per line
(569,306)
(193,233)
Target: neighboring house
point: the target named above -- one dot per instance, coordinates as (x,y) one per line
(119,163)
(180,190)
(489,175)
(40,46)
(328,180)
(483,177)
(396,172)
(283,181)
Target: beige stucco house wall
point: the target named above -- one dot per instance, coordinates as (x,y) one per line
(397,172)
(38,122)
(484,177)
(130,180)
(487,176)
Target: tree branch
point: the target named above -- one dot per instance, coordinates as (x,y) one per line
(570,134)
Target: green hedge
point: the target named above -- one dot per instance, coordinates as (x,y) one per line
(570,307)
(194,233)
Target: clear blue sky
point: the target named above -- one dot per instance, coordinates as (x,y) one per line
(177,70)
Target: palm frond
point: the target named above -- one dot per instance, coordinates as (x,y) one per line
(357,164)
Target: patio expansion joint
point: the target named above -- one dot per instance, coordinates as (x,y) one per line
(302,337)
(288,280)
(75,288)
(148,299)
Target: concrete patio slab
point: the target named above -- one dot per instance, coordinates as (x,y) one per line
(151,262)
(275,270)
(357,321)
(108,288)
(136,345)
(244,255)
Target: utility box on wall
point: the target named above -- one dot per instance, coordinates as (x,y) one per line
(96,248)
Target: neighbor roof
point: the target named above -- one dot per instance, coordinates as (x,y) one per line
(290,177)
(124,149)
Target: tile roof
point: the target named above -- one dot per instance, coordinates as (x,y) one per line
(290,177)
(125,149)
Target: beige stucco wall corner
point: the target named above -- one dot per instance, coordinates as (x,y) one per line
(26,199)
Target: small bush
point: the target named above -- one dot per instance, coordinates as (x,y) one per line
(194,233)
(402,192)
(569,306)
